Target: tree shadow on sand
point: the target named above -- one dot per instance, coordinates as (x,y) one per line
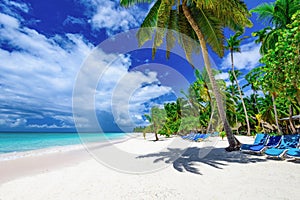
(192,156)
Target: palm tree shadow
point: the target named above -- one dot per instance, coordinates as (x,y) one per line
(190,159)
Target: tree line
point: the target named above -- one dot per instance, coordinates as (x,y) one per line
(204,22)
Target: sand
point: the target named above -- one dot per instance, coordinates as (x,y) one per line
(203,171)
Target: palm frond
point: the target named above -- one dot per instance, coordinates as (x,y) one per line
(147,28)
(211,28)
(187,37)
(232,13)
(171,32)
(127,3)
(265,12)
(163,16)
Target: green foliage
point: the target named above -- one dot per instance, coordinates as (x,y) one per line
(278,15)
(167,19)
(282,64)
(278,77)
(173,119)
(222,134)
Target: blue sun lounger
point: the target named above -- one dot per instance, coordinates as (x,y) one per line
(201,137)
(293,153)
(260,139)
(273,141)
(189,136)
(287,142)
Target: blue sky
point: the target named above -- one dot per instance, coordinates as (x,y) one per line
(44,45)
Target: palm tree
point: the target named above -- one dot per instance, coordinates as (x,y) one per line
(157,119)
(173,118)
(203,21)
(278,14)
(233,45)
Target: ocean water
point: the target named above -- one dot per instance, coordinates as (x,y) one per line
(22,142)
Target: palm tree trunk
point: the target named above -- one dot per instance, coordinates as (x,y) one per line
(275,113)
(211,117)
(155,129)
(233,142)
(291,120)
(235,107)
(241,95)
(156,136)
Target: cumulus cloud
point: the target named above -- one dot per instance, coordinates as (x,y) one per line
(18,5)
(247,59)
(112,17)
(106,85)
(38,72)
(223,76)
(12,123)
(13,7)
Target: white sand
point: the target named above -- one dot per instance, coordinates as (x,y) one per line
(219,175)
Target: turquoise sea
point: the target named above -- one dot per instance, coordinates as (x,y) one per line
(20,142)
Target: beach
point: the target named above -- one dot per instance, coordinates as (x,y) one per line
(171,173)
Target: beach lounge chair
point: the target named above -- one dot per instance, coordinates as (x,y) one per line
(293,153)
(273,141)
(260,139)
(202,137)
(190,135)
(199,136)
(287,142)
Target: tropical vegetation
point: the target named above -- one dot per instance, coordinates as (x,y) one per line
(275,83)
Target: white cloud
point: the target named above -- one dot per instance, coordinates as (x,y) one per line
(115,90)
(129,96)
(222,76)
(21,6)
(247,59)
(43,126)
(74,20)
(12,121)
(13,8)
(39,72)
(248,93)
(108,14)
(8,21)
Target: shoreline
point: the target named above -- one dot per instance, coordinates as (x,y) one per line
(16,165)
(76,174)
(61,148)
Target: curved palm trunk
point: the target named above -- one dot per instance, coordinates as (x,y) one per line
(233,94)
(241,96)
(275,113)
(233,142)
(211,118)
